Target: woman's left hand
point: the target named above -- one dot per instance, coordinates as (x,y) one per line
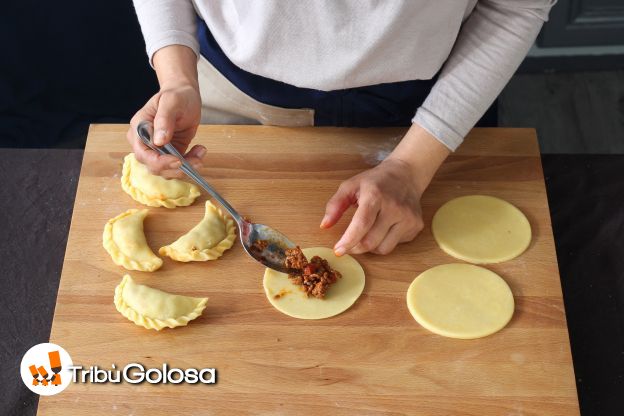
(387,197)
(388,209)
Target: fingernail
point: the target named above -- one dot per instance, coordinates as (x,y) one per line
(175,165)
(339,251)
(159,137)
(324,221)
(201,152)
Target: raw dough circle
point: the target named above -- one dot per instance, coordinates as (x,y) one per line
(290,299)
(481,229)
(460,301)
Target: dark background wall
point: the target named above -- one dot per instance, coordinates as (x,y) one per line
(585,23)
(64,64)
(571,85)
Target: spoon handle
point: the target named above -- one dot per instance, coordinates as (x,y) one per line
(192,173)
(143,130)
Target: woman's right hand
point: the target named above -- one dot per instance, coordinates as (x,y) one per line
(175,112)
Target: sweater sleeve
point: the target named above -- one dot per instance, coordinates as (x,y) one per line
(490,46)
(167,22)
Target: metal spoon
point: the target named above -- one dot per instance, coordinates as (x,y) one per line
(272,256)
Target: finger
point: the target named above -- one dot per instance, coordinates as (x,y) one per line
(178,173)
(147,113)
(379,231)
(400,233)
(165,119)
(196,155)
(338,204)
(361,223)
(182,138)
(391,240)
(131,135)
(172,174)
(154,161)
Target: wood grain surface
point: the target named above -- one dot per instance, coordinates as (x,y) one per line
(374,359)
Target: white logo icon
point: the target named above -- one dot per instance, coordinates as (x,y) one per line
(45,369)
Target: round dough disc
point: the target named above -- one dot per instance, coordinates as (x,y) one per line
(481,229)
(460,301)
(290,299)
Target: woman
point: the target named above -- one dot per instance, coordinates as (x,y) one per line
(437,65)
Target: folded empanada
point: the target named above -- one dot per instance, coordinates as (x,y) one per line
(154,190)
(154,309)
(124,240)
(206,241)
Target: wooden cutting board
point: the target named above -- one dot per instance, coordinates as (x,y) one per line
(372,359)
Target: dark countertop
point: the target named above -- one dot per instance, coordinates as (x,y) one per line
(586,197)
(36,202)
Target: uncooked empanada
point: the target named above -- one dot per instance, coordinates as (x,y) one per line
(154,309)
(206,241)
(154,190)
(124,240)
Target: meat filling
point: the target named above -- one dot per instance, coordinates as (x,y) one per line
(314,276)
(260,245)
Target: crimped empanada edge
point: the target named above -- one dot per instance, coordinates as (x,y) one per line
(120,258)
(206,254)
(142,198)
(153,323)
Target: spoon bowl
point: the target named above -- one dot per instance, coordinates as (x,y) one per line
(272,253)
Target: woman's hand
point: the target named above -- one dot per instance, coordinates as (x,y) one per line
(388,212)
(175,111)
(387,197)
